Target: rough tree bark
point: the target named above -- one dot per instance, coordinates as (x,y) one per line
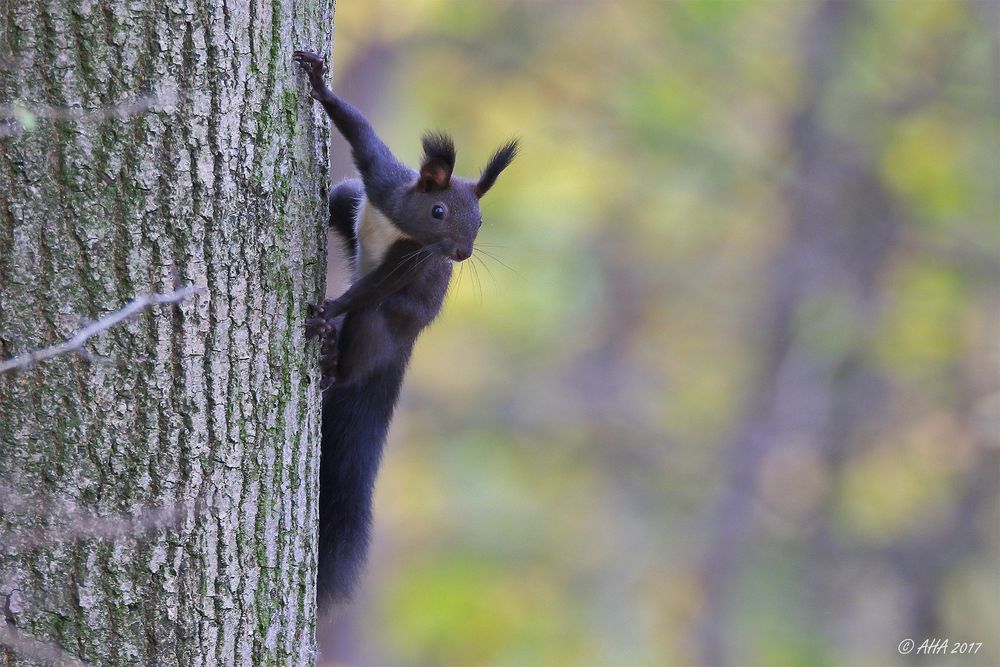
(157,500)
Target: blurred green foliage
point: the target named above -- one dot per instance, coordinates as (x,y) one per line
(749,252)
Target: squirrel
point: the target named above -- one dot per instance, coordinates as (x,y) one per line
(404,228)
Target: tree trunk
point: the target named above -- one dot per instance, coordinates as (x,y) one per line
(158,496)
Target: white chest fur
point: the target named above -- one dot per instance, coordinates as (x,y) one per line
(375,236)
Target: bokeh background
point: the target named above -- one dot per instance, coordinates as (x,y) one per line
(722,385)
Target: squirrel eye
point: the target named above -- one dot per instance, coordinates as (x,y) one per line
(438,211)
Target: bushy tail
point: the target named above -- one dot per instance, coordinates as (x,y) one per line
(355,421)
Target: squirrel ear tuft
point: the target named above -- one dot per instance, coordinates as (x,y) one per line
(438,162)
(497,163)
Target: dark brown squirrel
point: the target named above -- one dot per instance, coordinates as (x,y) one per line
(404,229)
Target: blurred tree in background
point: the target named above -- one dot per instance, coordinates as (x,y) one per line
(728,393)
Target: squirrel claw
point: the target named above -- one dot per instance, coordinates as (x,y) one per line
(317,328)
(312,63)
(317,324)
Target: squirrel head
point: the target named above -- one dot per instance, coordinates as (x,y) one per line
(441,210)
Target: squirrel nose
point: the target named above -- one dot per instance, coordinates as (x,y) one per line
(461,254)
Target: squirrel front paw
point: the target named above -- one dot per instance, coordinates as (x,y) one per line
(318,326)
(315,67)
(311,63)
